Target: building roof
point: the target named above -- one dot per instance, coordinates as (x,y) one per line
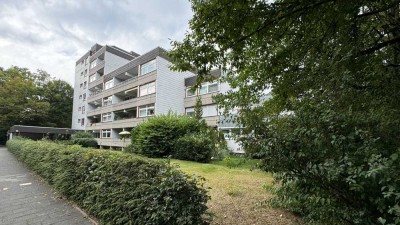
(41,130)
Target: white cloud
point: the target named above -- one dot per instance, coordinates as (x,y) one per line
(53,34)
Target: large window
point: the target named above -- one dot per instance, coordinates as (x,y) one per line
(208,88)
(147,89)
(106,117)
(190,111)
(146,110)
(84,97)
(83,122)
(148,67)
(106,133)
(107,101)
(83,109)
(84,84)
(109,84)
(93,64)
(92,78)
(210,110)
(190,92)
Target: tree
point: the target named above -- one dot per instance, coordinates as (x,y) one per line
(330,131)
(59,94)
(33,99)
(198,109)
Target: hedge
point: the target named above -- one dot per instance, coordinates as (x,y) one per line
(115,187)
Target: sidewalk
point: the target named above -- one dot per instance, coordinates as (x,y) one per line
(24,199)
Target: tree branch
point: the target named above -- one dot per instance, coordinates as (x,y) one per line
(380,45)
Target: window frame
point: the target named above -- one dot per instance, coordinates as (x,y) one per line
(147,109)
(188,89)
(92,76)
(106,115)
(110,82)
(148,67)
(107,132)
(108,99)
(146,88)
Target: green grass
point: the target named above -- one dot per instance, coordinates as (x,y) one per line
(237,193)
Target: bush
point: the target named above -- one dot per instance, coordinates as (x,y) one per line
(84,139)
(81,134)
(115,187)
(85,142)
(194,147)
(157,136)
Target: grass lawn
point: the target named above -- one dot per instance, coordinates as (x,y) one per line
(237,193)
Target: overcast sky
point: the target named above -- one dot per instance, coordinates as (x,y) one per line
(53,34)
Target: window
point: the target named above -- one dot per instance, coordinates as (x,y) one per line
(85,73)
(107,101)
(109,84)
(147,89)
(189,92)
(81,73)
(80,96)
(190,111)
(86,60)
(148,67)
(210,110)
(208,88)
(79,120)
(79,109)
(84,84)
(84,97)
(146,110)
(93,64)
(106,133)
(106,117)
(227,134)
(83,122)
(92,78)
(83,109)
(81,85)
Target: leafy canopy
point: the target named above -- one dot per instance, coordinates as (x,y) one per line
(35,99)
(330,131)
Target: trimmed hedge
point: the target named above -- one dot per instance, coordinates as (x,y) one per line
(194,147)
(115,187)
(85,142)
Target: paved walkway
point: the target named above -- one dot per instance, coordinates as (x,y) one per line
(24,199)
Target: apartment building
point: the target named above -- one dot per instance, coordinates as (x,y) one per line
(210,109)
(116,89)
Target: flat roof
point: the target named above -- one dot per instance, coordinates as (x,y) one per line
(41,130)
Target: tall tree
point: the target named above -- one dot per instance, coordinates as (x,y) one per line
(34,99)
(59,94)
(331,135)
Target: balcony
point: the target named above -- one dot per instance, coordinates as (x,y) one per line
(112,142)
(122,123)
(99,66)
(143,100)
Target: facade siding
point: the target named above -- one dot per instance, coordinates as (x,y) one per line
(170,88)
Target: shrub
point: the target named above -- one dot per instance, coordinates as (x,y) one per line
(157,136)
(194,147)
(81,134)
(85,142)
(115,187)
(84,139)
